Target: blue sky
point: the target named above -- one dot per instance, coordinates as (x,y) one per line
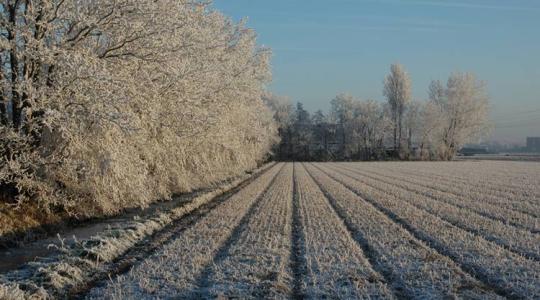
(324,47)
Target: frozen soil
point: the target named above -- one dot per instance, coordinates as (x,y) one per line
(462,230)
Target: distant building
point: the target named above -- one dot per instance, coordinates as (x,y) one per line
(533,144)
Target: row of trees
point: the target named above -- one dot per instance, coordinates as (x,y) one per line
(112,104)
(400,128)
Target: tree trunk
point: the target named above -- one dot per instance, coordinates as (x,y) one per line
(14,66)
(409,142)
(400,129)
(395,136)
(3,100)
(343,141)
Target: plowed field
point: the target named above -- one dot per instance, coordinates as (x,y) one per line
(353,230)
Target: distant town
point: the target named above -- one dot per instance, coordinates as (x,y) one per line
(532,146)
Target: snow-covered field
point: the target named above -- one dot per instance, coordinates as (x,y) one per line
(347,230)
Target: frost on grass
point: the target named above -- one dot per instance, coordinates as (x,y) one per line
(498,267)
(452,210)
(461,196)
(257,263)
(335,264)
(315,230)
(411,267)
(79,263)
(119,108)
(176,268)
(13,292)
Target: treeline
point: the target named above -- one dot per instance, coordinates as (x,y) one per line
(113,104)
(399,128)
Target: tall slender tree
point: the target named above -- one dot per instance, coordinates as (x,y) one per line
(303,133)
(341,113)
(397,90)
(321,135)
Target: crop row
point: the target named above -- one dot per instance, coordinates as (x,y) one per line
(335,266)
(410,266)
(508,273)
(511,177)
(523,198)
(177,267)
(487,213)
(257,262)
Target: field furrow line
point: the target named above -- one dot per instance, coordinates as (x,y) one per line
(524,192)
(505,202)
(399,290)
(492,185)
(482,169)
(497,215)
(254,262)
(514,173)
(335,265)
(298,243)
(408,265)
(524,221)
(174,269)
(508,274)
(474,202)
(145,248)
(521,242)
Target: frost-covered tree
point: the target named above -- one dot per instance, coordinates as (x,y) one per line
(283,111)
(342,113)
(109,104)
(302,137)
(371,124)
(362,127)
(362,130)
(429,116)
(397,90)
(282,108)
(322,136)
(463,108)
(412,127)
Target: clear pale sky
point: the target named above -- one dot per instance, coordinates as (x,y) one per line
(324,47)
